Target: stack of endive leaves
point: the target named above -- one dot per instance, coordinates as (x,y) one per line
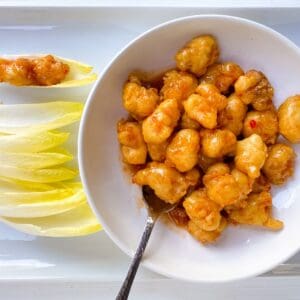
(39,193)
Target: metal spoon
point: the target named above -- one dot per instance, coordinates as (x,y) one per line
(156,207)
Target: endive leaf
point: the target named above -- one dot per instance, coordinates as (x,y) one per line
(32,142)
(69,185)
(88,79)
(41,176)
(13,185)
(39,204)
(38,117)
(16,185)
(75,222)
(34,160)
(79,73)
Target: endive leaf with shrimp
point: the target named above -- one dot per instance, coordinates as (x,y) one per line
(32,142)
(34,160)
(41,70)
(38,117)
(75,222)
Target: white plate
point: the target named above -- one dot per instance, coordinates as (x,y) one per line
(93,35)
(172,251)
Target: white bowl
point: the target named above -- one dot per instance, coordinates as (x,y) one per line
(241,251)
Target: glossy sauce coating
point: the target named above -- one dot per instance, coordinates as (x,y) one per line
(160,124)
(197,55)
(206,139)
(43,71)
(263,123)
(289,119)
(255,89)
(167,183)
(139,101)
(133,147)
(223,75)
(251,154)
(182,152)
(279,165)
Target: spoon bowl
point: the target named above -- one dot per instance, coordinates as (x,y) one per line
(155,205)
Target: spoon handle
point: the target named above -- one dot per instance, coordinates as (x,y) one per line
(126,286)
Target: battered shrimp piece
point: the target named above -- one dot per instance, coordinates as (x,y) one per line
(279,165)
(244,182)
(204,162)
(223,75)
(49,71)
(198,108)
(261,184)
(254,88)
(263,123)
(233,115)
(178,85)
(160,124)
(168,184)
(204,106)
(202,211)
(157,152)
(250,156)
(188,123)
(217,142)
(183,150)
(212,94)
(139,101)
(44,70)
(197,55)
(218,169)
(289,119)
(221,186)
(179,216)
(133,147)
(204,236)
(192,177)
(257,212)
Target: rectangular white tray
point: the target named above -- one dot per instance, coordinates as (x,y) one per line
(95,35)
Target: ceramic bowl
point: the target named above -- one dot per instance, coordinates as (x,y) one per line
(242,251)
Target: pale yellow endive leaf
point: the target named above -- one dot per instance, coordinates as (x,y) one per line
(30,196)
(39,204)
(84,80)
(34,160)
(75,222)
(38,117)
(14,185)
(32,142)
(42,175)
(79,73)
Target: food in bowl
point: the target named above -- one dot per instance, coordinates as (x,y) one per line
(206,138)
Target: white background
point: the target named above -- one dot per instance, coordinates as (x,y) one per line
(265,288)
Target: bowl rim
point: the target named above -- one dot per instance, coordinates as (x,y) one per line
(148,264)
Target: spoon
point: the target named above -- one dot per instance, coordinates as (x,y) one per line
(155,207)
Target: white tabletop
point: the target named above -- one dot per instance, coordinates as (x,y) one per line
(168,3)
(265,288)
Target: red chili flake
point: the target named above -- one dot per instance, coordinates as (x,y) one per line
(252,123)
